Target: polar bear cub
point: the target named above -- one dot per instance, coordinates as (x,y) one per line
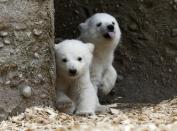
(75,92)
(103,31)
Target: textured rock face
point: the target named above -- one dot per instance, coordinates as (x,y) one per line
(27,71)
(146,58)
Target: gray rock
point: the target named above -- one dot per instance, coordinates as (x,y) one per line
(3,34)
(37,32)
(26,91)
(1,45)
(7,41)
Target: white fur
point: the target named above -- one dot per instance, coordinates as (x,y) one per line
(103,74)
(76,90)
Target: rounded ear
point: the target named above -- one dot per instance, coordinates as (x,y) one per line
(82,26)
(55,47)
(91,47)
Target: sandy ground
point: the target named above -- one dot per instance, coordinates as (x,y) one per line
(122,117)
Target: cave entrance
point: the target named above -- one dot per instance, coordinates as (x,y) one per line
(147,70)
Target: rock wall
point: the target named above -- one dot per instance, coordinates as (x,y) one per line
(27,71)
(146,58)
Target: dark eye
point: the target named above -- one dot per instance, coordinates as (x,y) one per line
(64,60)
(113,23)
(99,24)
(79,59)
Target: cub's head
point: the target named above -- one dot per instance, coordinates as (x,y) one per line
(73,58)
(100,27)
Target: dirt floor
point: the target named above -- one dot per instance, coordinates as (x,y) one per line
(146,58)
(122,117)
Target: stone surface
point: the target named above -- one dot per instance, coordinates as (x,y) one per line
(26,91)
(1,45)
(174,32)
(147,50)
(17,63)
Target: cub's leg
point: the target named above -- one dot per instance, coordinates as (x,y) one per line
(64,103)
(108,81)
(86,104)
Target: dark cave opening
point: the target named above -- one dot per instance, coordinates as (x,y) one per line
(144,59)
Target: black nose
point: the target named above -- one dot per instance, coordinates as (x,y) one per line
(110,27)
(73,71)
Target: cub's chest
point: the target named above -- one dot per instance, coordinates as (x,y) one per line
(73,88)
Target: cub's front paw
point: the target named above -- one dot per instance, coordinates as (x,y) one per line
(82,113)
(103,91)
(64,104)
